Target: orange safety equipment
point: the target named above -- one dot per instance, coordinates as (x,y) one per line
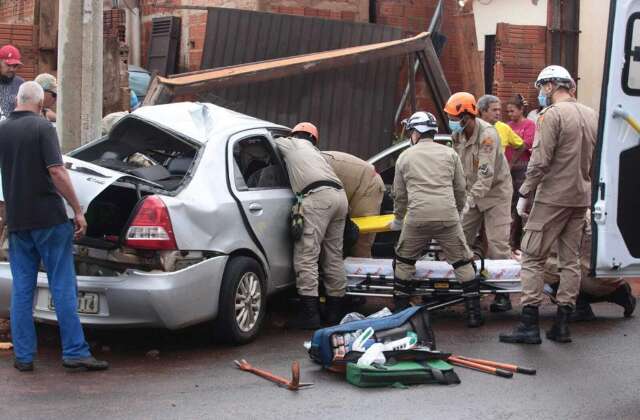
(306,127)
(461,102)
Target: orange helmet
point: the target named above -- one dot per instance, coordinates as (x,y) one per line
(461,102)
(306,127)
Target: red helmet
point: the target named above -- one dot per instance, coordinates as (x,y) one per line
(10,55)
(306,127)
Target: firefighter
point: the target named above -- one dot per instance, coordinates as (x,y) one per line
(488,178)
(324,210)
(430,194)
(365,191)
(560,170)
(611,289)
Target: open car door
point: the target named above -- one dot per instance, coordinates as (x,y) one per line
(616,212)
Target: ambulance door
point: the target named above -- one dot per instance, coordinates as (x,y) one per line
(616,210)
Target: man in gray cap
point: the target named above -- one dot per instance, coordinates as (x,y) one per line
(50,86)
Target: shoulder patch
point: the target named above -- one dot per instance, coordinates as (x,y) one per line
(487,144)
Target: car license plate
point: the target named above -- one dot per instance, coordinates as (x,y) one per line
(88,303)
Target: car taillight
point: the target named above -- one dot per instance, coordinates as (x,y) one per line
(151,227)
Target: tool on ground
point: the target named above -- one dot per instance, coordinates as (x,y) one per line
(293,385)
(505,366)
(480,367)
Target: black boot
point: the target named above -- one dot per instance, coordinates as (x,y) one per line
(334,310)
(583,311)
(501,303)
(622,296)
(527,331)
(308,317)
(560,330)
(471,294)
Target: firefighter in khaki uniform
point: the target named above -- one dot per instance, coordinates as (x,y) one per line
(489,187)
(365,191)
(324,208)
(430,193)
(560,170)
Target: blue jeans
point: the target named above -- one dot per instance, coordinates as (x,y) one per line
(54,247)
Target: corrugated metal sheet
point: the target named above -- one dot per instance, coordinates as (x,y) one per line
(352,107)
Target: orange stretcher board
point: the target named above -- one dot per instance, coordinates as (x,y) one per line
(373,224)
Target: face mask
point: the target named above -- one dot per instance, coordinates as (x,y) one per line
(455,126)
(542,100)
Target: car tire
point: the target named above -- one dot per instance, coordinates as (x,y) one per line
(242,305)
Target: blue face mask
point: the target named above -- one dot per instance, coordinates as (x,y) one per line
(542,100)
(455,126)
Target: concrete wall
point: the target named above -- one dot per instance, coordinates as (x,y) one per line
(594,19)
(488,13)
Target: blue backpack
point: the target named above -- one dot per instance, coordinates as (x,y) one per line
(392,327)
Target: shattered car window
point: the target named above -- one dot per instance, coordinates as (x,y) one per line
(139,149)
(257,164)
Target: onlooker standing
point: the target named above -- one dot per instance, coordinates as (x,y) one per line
(33,181)
(50,86)
(518,160)
(9,81)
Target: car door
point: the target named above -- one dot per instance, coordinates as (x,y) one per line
(616,181)
(260,183)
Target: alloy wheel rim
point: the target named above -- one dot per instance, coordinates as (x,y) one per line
(248,302)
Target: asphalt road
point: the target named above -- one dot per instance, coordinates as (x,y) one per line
(595,377)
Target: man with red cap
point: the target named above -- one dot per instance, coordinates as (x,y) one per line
(9,81)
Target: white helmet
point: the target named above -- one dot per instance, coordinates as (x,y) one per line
(556,74)
(422,121)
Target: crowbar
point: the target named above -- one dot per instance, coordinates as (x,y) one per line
(292,385)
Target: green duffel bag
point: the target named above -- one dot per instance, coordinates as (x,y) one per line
(403,373)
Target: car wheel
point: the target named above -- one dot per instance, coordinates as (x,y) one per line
(242,305)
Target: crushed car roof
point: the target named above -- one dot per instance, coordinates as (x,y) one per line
(199,121)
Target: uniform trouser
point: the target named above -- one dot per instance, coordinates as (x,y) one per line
(324,213)
(367,204)
(497,222)
(52,246)
(518,176)
(598,288)
(414,238)
(547,225)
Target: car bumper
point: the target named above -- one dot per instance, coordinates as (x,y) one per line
(137,299)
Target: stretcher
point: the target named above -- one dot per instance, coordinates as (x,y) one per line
(434,280)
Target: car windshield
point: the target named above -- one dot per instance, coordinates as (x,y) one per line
(139,149)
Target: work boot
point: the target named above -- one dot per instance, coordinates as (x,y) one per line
(622,296)
(559,332)
(501,303)
(334,310)
(583,311)
(308,317)
(88,363)
(527,331)
(471,294)
(23,366)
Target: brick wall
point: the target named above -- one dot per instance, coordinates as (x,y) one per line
(520,54)
(114,22)
(351,10)
(17,11)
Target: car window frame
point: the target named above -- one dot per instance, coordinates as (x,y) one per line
(234,177)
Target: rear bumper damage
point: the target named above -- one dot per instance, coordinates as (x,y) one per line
(137,299)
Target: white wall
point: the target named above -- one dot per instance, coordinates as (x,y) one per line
(488,13)
(594,20)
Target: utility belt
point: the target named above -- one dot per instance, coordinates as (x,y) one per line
(297,213)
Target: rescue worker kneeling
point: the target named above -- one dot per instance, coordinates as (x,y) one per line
(324,211)
(429,189)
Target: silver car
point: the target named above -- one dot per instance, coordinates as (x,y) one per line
(188,207)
